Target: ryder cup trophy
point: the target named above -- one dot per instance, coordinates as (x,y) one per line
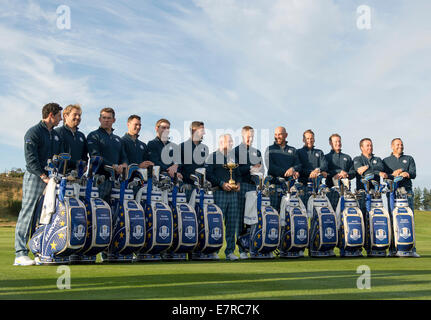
(231,166)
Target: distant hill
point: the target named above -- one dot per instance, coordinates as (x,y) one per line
(10,198)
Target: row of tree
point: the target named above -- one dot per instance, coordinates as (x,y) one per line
(422,199)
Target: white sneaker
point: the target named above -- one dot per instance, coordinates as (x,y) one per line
(243,255)
(23,261)
(231,257)
(416,255)
(215,256)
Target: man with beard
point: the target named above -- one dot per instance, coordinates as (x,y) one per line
(282,161)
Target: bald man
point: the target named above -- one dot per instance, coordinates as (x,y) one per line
(225,196)
(282,161)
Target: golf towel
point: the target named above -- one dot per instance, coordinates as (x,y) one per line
(48,207)
(250,210)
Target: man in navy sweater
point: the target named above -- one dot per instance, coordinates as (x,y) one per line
(282,161)
(340,166)
(104,143)
(74,141)
(41,142)
(136,151)
(249,159)
(313,162)
(367,163)
(164,153)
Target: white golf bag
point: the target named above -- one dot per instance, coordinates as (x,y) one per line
(323,222)
(350,222)
(158,215)
(403,223)
(293,220)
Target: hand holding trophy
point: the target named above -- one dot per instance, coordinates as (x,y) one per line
(232,183)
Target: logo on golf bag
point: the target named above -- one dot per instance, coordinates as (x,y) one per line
(329,233)
(381,234)
(355,234)
(405,233)
(216,233)
(301,234)
(190,232)
(164,232)
(104,232)
(78,232)
(138,232)
(273,234)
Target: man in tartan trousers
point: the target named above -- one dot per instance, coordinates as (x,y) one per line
(249,160)
(225,195)
(41,142)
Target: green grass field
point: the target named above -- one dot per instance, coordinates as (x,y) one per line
(330,278)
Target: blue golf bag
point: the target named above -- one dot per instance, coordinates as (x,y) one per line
(350,221)
(262,238)
(185,227)
(293,220)
(209,218)
(128,234)
(158,216)
(403,224)
(62,226)
(377,219)
(99,217)
(323,222)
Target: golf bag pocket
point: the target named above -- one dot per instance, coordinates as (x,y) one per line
(323,227)
(129,228)
(185,228)
(403,227)
(210,227)
(379,231)
(351,228)
(295,227)
(99,221)
(158,228)
(265,235)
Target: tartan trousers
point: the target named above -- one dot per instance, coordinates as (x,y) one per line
(229,205)
(32,189)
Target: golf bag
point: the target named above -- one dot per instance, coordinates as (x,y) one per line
(263,235)
(209,218)
(185,237)
(158,216)
(128,234)
(99,217)
(323,222)
(62,226)
(377,219)
(293,220)
(350,222)
(403,224)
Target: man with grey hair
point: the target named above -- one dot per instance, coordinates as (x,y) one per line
(225,195)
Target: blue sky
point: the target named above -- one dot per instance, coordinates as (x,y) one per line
(301,64)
